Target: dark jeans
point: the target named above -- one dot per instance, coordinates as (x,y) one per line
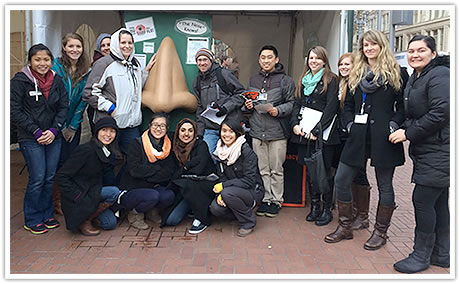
(431,206)
(67,148)
(125,137)
(240,204)
(178,214)
(145,199)
(42,162)
(346,174)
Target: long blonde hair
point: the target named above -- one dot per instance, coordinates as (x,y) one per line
(327,75)
(343,81)
(386,67)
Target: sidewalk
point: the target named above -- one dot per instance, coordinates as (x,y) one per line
(286,244)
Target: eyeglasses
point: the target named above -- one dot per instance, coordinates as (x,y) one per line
(161,126)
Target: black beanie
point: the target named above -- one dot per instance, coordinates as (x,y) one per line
(105,122)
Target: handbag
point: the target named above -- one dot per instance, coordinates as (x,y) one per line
(316,168)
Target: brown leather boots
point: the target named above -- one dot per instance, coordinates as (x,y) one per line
(382,222)
(343,231)
(57,200)
(361,199)
(87,228)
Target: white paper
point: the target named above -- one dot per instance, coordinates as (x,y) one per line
(327,131)
(210,113)
(142,29)
(149,47)
(193,44)
(310,118)
(142,59)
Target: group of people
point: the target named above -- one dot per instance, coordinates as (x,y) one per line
(227,169)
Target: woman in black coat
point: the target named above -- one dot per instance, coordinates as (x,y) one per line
(193,181)
(373,109)
(149,169)
(86,180)
(240,187)
(317,90)
(427,127)
(39,106)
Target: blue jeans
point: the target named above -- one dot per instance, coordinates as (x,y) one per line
(42,162)
(107,219)
(125,137)
(178,214)
(211,137)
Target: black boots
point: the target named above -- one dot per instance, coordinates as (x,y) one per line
(315,210)
(441,250)
(419,259)
(326,215)
(361,199)
(382,221)
(343,231)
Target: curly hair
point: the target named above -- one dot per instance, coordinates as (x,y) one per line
(386,67)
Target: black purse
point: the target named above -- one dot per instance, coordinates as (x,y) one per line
(315,166)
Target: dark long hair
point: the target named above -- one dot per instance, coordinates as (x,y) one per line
(36,48)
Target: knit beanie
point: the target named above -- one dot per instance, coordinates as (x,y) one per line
(105,122)
(206,52)
(99,40)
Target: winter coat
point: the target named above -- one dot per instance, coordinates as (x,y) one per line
(30,114)
(327,103)
(244,173)
(371,139)
(197,193)
(140,173)
(76,105)
(427,125)
(280,90)
(210,92)
(111,83)
(81,180)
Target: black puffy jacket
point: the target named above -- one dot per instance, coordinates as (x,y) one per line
(426,104)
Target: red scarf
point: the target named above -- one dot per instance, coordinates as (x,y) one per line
(44,83)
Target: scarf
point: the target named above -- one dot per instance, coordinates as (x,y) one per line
(368,85)
(309,82)
(182,150)
(150,150)
(44,83)
(229,154)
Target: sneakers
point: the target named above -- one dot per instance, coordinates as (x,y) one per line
(37,229)
(262,209)
(51,223)
(273,210)
(197,227)
(244,232)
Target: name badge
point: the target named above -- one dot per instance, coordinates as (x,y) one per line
(302,109)
(361,118)
(35,93)
(262,97)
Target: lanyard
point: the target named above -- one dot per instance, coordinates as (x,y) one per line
(364,102)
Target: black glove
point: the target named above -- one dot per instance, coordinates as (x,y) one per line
(393,126)
(222,111)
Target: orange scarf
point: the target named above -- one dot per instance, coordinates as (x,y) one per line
(151,152)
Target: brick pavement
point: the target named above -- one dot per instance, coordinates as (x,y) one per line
(282,245)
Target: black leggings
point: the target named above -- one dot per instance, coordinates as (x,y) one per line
(346,174)
(431,205)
